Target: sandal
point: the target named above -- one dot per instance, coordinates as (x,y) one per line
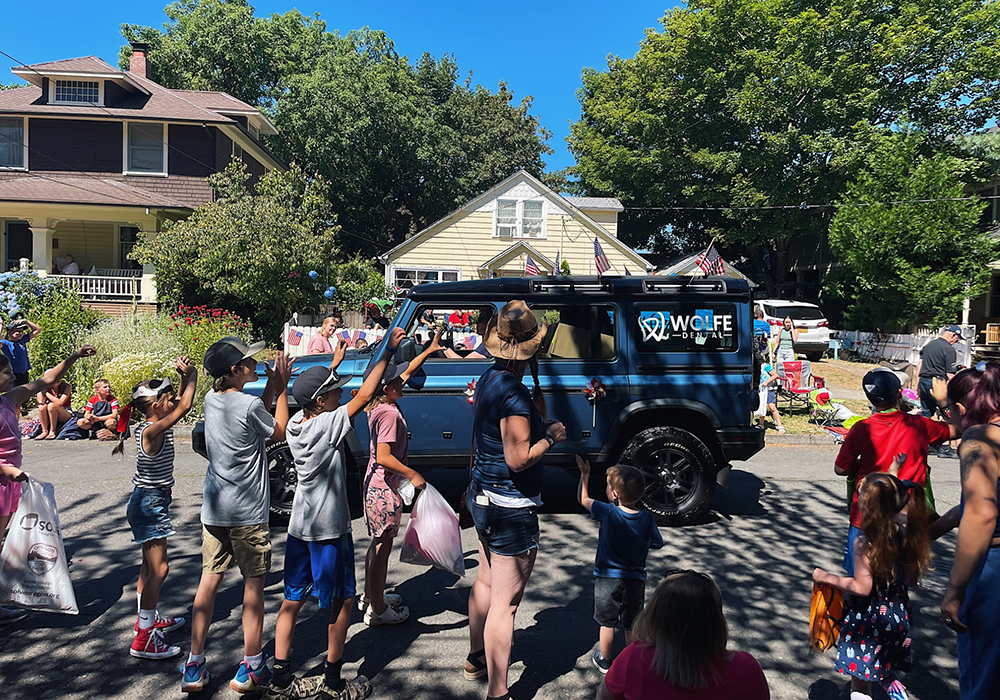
(781,430)
(478,662)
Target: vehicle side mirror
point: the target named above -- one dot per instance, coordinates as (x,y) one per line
(406,352)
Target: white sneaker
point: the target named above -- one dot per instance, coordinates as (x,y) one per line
(391,616)
(393,600)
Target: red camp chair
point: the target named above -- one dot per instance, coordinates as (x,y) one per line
(796,381)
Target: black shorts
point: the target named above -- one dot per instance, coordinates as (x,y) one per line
(618,599)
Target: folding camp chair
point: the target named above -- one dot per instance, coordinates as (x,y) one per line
(795,383)
(824,412)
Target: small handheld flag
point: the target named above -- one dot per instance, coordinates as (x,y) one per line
(600,259)
(294,337)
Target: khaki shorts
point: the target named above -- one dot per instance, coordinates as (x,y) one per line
(248,545)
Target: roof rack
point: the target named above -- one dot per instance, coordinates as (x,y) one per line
(564,284)
(711,285)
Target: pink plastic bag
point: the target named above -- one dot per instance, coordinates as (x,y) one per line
(432,535)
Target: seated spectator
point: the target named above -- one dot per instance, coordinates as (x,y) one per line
(15,347)
(360,344)
(54,410)
(320,344)
(680,650)
(375,319)
(338,318)
(101,411)
(479,352)
(459,321)
(427,320)
(70,268)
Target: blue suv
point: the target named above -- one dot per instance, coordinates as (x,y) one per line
(657,372)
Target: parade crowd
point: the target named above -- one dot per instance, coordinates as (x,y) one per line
(677,641)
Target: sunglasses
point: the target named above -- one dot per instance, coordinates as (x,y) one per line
(704,577)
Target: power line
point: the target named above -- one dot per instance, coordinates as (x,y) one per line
(805,206)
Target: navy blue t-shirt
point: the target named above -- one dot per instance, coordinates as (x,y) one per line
(498,397)
(481,349)
(17,353)
(624,542)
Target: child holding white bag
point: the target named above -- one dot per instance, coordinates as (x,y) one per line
(11,397)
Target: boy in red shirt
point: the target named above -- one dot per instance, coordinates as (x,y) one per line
(872,444)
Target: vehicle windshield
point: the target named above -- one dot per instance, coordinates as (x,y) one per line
(797,313)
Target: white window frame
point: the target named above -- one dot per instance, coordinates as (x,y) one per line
(166,139)
(52,91)
(420,268)
(24,131)
(518,226)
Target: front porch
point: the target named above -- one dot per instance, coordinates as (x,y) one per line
(113,291)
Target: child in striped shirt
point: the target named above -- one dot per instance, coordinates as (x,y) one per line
(148,514)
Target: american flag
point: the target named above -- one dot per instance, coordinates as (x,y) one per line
(294,337)
(711,262)
(558,267)
(600,259)
(530,268)
(627,273)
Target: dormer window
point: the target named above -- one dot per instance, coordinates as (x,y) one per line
(77,92)
(519,219)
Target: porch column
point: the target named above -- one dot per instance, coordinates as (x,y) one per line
(41,249)
(148,285)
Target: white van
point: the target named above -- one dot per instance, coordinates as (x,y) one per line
(814,329)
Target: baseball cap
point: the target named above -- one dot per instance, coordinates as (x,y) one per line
(881,386)
(392,371)
(956,329)
(315,382)
(18,325)
(225,354)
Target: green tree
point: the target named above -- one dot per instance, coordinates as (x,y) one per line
(247,252)
(914,262)
(400,143)
(772,103)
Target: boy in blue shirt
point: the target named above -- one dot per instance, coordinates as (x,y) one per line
(627,534)
(15,347)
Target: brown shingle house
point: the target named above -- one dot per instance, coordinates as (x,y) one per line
(90,155)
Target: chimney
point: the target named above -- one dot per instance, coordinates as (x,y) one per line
(137,63)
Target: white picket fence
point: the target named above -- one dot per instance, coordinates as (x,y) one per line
(899,347)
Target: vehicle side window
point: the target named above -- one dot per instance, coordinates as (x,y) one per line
(462,328)
(690,327)
(577,332)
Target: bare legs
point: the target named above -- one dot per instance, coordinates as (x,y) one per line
(495,595)
(50,415)
(153,573)
(376,570)
(253,612)
(777,417)
(336,631)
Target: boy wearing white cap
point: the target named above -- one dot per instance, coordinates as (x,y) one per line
(319,555)
(234,511)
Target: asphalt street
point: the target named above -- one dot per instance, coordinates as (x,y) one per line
(782,514)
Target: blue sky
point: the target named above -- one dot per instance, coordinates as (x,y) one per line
(539,48)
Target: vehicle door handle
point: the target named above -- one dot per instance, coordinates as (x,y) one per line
(446,434)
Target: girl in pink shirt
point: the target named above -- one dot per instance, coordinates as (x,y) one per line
(11,397)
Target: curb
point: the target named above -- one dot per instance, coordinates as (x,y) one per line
(783,440)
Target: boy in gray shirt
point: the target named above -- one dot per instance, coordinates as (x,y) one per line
(319,555)
(235,507)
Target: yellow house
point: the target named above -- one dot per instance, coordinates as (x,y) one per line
(494,234)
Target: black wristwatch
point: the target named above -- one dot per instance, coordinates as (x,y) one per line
(551,440)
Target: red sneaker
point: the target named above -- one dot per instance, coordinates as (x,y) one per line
(149,644)
(164,624)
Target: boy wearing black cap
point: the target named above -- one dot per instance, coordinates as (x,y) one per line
(319,556)
(234,511)
(15,347)
(873,443)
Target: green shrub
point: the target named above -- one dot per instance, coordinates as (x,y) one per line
(195,328)
(128,369)
(65,326)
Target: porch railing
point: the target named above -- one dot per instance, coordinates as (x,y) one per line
(103,288)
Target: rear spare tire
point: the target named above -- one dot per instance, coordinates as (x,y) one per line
(679,471)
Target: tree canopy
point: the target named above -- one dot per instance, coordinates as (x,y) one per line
(401,143)
(741,105)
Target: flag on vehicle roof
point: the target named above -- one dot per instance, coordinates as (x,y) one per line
(294,337)
(530,268)
(600,259)
(711,262)
(558,267)
(627,273)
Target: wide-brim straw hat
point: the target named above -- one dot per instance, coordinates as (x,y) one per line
(513,333)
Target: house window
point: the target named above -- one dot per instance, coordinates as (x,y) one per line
(13,146)
(72,91)
(147,146)
(519,219)
(408,277)
(127,238)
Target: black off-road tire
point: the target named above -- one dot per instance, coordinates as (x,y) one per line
(283,480)
(814,356)
(679,470)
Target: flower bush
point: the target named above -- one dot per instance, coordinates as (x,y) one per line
(197,327)
(127,370)
(22,290)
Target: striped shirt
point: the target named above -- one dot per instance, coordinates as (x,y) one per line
(154,471)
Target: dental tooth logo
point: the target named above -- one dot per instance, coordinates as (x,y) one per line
(654,325)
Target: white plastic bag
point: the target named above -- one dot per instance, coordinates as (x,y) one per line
(762,405)
(33,569)
(406,491)
(432,535)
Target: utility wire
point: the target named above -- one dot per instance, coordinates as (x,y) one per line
(805,206)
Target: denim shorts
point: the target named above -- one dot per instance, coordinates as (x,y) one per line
(324,569)
(505,531)
(149,514)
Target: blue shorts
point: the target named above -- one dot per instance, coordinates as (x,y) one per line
(149,514)
(852,537)
(505,531)
(324,569)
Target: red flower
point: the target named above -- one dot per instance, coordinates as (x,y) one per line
(188,321)
(194,339)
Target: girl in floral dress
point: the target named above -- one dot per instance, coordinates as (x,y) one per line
(891,554)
